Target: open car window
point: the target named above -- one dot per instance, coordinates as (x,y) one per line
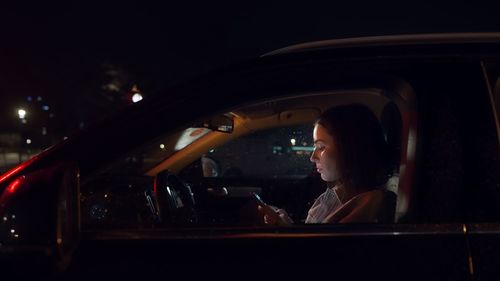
(196,176)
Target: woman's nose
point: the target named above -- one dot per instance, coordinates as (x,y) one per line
(313,156)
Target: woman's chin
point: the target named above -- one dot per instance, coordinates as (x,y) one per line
(328,178)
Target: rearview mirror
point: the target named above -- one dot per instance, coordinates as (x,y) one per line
(220,123)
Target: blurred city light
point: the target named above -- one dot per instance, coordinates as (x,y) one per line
(45,108)
(293,141)
(22,113)
(136,97)
(28,141)
(136,94)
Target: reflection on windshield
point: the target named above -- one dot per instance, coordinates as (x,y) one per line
(189,136)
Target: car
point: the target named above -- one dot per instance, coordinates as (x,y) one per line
(167,187)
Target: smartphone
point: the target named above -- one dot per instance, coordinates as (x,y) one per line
(257,197)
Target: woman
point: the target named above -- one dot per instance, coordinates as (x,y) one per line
(352,157)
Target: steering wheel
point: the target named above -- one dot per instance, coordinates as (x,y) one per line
(174,199)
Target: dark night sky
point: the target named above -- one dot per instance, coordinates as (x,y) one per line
(54,50)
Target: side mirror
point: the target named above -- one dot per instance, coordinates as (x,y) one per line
(40,224)
(220,123)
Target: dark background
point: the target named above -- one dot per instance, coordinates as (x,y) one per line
(82,59)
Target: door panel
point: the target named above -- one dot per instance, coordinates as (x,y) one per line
(404,252)
(484,243)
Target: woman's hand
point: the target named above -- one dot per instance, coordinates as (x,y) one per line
(274,216)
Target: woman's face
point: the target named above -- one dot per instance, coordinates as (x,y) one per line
(325,154)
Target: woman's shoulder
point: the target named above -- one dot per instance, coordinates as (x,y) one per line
(374,195)
(376,205)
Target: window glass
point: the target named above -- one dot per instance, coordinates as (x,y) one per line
(458,170)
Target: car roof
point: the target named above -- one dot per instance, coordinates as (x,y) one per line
(390,40)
